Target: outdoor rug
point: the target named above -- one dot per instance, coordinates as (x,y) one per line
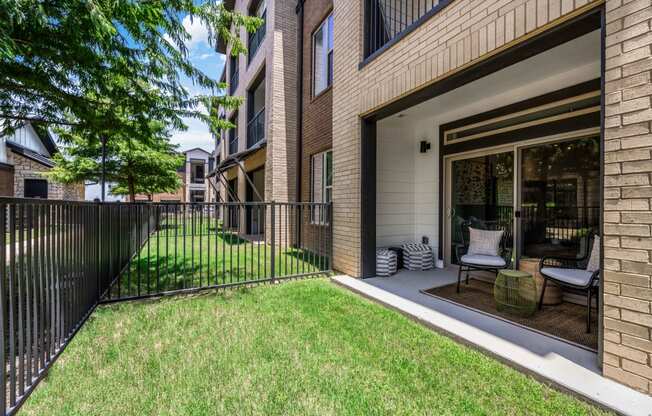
(566,321)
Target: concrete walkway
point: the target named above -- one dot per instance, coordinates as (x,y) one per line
(570,367)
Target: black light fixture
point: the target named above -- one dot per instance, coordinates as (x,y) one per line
(425,146)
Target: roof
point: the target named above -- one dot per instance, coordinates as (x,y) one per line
(221,45)
(29,154)
(233,159)
(196,148)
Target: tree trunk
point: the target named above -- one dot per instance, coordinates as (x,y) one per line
(132,189)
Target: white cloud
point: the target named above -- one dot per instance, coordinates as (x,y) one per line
(197,135)
(197,31)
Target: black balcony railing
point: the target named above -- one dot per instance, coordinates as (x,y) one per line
(386,20)
(256,129)
(256,38)
(235,79)
(233,145)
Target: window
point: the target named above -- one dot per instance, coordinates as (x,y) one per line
(233,136)
(321,181)
(36,188)
(234,74)
(198,173)
(323,56)
(256,38)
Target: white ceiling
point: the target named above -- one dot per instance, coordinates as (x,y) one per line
(565,65)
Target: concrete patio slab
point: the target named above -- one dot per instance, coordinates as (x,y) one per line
(567,366)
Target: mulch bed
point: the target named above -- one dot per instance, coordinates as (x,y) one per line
(566,321)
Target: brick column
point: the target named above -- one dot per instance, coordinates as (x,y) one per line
(628,193)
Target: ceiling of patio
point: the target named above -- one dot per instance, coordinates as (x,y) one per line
(568,64)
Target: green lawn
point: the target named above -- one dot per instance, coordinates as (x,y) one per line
(197,254)
(297,348)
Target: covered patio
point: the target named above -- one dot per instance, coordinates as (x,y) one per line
(516,151)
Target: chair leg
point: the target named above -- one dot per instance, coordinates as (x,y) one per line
(467,276)
(588,311)
(459,278)
(543,292)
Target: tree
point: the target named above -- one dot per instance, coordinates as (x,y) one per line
(68,62)
(136,165)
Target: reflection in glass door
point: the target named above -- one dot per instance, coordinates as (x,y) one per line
(560,197)
(481,195)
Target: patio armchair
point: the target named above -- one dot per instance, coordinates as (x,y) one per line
(484,249)
(576,274)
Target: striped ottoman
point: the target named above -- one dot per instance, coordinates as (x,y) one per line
(418,256)
(386,262)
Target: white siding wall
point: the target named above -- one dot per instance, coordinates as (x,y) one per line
(395,214)
(27,137)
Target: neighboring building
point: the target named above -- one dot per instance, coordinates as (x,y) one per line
(193,175)
(532,113)
(258,157)
(24,156)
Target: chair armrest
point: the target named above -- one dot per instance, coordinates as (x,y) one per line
(460,250)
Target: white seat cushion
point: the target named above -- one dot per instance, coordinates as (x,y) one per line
(575,277)
(482,260)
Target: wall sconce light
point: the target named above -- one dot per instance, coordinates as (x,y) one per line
(425,146)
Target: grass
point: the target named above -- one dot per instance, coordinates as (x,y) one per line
(300,348)
(196,255)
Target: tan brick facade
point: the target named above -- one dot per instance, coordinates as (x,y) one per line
(628,193)
(277,57)
(460,35)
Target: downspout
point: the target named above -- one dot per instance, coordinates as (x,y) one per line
(300,19)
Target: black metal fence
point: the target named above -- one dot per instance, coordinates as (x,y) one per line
(61,259)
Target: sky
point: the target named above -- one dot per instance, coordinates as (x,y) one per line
(204,57)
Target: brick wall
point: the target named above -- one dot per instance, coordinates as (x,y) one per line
(25,168)
(628,193)
(317,126)
(458,36)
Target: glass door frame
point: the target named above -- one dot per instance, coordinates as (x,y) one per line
(516,148)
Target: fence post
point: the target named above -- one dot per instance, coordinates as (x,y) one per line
(3,308)
(273,242)
(97,247)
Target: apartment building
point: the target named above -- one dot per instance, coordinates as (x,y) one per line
(195,185)
(534,115)
(24,156)
(258,157)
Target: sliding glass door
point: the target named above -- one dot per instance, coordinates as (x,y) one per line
(545,194)
(559,197)
(482,196)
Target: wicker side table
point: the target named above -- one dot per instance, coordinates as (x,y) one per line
(515,292)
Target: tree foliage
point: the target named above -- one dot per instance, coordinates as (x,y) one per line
(146,165)
(111,69)
(68,62)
